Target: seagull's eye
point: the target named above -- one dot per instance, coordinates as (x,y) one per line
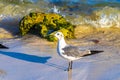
(58,34)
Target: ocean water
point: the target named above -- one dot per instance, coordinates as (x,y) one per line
(97,13)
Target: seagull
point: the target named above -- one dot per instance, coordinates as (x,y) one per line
(69,52)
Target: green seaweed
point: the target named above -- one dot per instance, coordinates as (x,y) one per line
(46,25)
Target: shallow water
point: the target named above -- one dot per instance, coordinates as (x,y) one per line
(96,13)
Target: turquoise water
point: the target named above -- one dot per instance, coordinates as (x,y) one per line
(97,13)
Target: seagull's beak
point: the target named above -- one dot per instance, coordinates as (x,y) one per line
(55,35)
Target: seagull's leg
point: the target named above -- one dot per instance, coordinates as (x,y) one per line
(70,71)
(69,65)
(71,62)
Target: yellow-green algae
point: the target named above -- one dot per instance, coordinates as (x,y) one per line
(46,24)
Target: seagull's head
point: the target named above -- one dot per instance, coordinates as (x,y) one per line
(59,35)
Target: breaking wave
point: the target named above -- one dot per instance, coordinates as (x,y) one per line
(105,17)
(99,14)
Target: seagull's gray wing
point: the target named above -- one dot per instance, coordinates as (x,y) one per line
(76,52)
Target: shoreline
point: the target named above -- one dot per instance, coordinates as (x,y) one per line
(85,35)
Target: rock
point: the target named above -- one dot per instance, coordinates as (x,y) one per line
(46,24)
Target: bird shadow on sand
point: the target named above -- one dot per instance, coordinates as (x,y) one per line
(32,58)
(26,57)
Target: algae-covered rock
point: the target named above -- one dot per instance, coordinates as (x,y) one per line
(46,24)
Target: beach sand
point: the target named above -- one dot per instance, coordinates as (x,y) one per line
(33,58)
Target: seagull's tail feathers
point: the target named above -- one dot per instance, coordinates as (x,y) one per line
(95,52)
(92,52)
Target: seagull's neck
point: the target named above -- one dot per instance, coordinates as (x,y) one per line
(61,44)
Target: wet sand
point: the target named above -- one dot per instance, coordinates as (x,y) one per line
(25,60)
(27,55)
(104,36)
